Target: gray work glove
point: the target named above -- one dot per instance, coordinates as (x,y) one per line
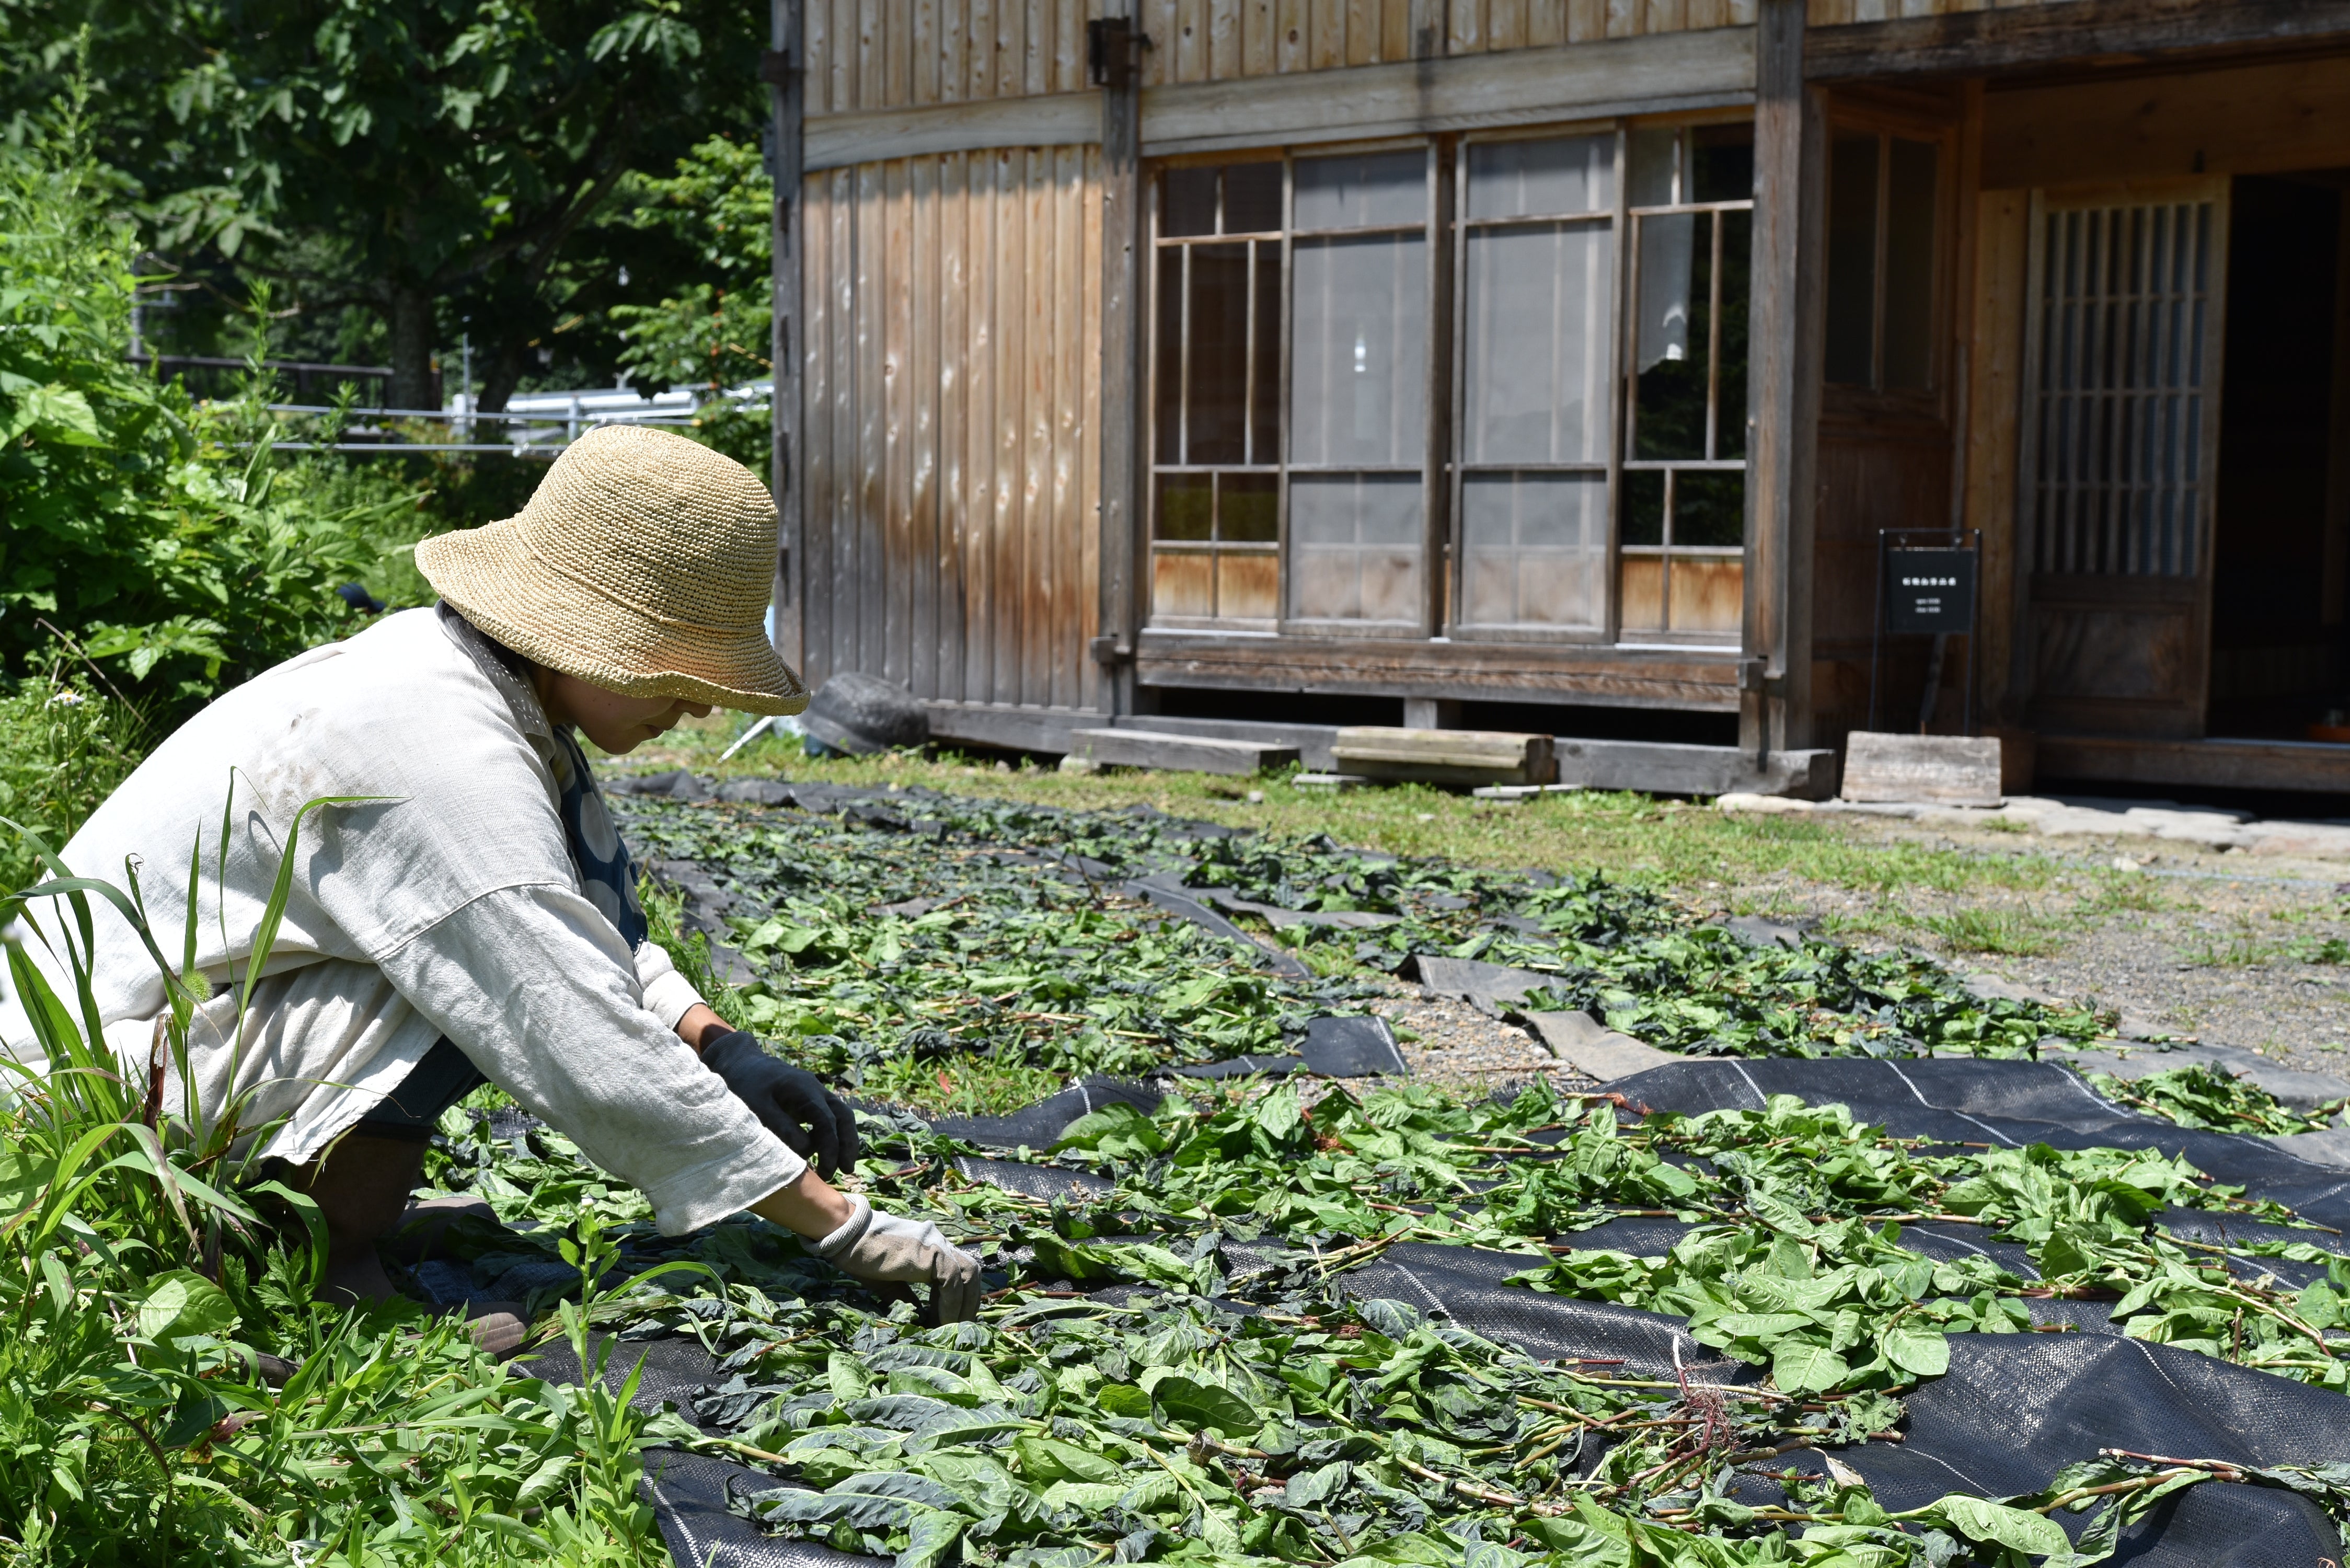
(889,1249)
(794,1103)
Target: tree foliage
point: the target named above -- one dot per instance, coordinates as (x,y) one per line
(157,539)
(427,162)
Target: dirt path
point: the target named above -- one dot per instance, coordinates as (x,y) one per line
(2233,950)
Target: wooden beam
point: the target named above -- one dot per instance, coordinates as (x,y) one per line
(867,136)
(2228,765)
(1709,69)
(1009,726)
(1180,754)
(2260,119)
(1444,756)
(2076,32)
(786,351)
(1782,391)
(1703,680)
(1664,767)
(1120,512)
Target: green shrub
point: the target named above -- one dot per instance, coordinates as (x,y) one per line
(154,531)
(65,744)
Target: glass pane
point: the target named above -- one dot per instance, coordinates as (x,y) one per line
(1190,202)
(1168,412)
(1653,156)
(1675,310)
(1729,384)
(1708,509)
(1514,179)
(1354,546)
(1218,416)
(1264,400)
(1533,548)
(1359,354)
(1909,213)
(1248,509)
(1644,507)
(1182,583)
(1539,302)
(1368,190)
(1708,596)
(1722,162)
(1852,261)
(1186,507)
(1252,198)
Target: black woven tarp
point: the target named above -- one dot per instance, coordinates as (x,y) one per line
(2012,1410)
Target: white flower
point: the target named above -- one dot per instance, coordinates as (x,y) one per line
(68,697)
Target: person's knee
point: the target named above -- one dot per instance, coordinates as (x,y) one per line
(361,1184)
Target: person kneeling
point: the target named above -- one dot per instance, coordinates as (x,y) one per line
(467,912)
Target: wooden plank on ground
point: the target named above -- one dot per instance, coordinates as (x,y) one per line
(1180,754)
(1444,756)
(1951,770)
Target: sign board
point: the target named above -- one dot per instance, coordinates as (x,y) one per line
(1930,590)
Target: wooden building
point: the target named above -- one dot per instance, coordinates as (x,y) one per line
(1555,364)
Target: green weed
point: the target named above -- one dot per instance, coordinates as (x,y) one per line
(2014,933)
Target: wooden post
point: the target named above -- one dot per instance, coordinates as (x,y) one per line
(1782,391)
(1123,558)
(783,70)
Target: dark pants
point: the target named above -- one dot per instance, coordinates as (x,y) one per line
(445,1077)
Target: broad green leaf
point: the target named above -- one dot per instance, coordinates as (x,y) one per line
(1801,1368)
(1920,1351)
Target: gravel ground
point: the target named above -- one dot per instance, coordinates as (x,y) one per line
(1460,1048)
(2222,946)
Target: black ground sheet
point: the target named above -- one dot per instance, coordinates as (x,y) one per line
(2012,1411)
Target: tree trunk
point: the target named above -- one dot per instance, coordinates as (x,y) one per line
(501,375)
(410,318)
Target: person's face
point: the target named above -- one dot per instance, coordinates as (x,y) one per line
(616,723)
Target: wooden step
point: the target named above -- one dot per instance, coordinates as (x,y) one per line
(1445,756)
(1180,754)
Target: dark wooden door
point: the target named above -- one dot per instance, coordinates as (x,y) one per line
(2119,443)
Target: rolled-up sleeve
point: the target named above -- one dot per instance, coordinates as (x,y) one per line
(538,990)
(668,995)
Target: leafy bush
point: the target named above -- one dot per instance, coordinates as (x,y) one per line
(147,1305)
(65,744)
(153,530)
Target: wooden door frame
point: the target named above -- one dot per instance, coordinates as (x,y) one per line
(2024,692)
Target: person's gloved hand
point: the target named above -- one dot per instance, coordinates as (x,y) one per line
(889,1249)
(794,1103)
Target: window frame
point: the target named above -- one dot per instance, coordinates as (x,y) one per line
(1666,551)
(1459,468)
(1847,117)
(1444,468)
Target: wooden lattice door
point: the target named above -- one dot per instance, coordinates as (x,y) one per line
(2120,443)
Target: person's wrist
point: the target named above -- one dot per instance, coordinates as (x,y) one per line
(700,1026)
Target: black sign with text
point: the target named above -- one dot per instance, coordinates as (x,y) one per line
(1930,590)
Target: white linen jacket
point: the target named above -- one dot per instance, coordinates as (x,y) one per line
(449,905)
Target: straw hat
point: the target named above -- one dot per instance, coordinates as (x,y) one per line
(641,565)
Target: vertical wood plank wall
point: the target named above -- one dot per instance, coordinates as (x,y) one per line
(952,424)
(894,54)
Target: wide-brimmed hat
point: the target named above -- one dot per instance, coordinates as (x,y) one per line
(642,565)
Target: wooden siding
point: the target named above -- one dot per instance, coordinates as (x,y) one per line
(952,424)
(896,54)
